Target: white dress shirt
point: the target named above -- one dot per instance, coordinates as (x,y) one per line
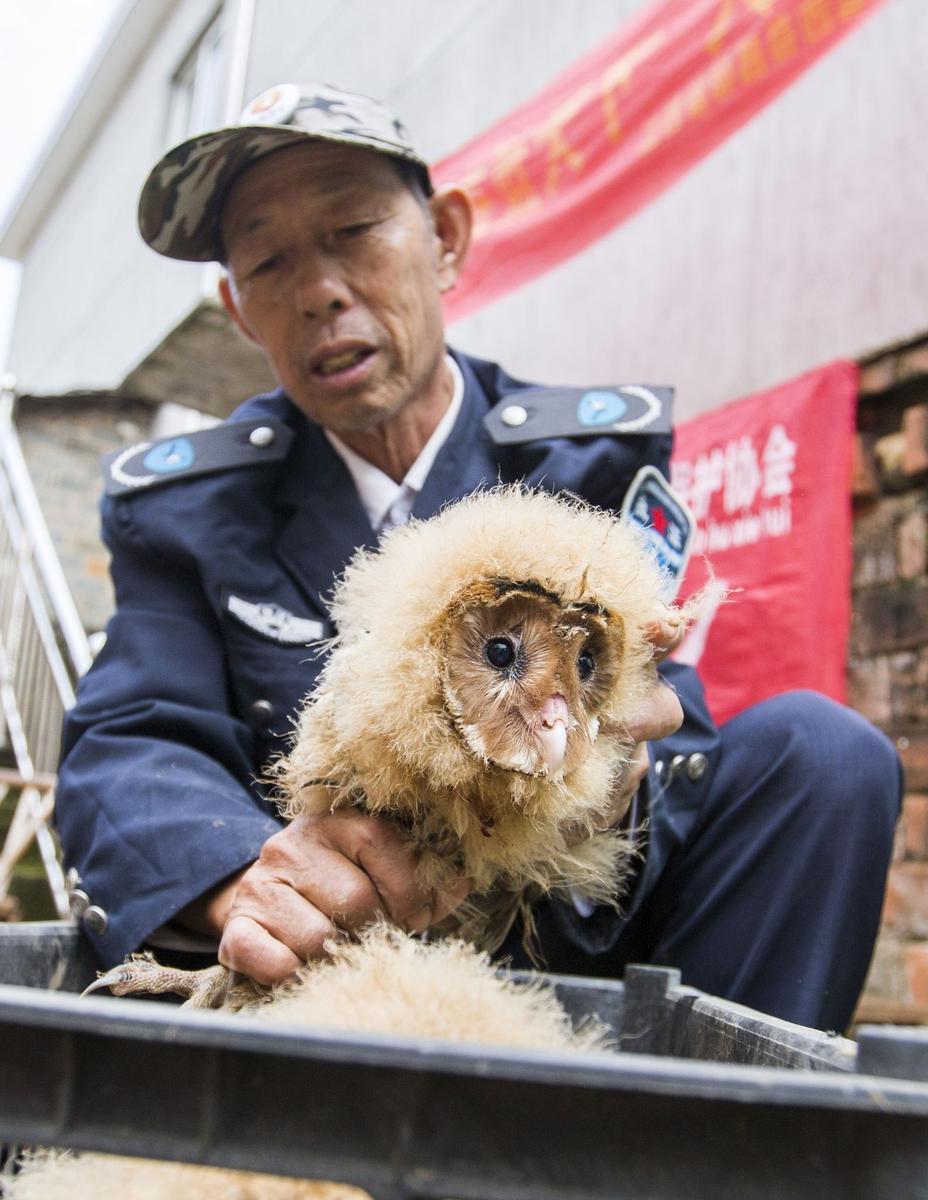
(386,502)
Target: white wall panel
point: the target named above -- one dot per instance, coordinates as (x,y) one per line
(94,298)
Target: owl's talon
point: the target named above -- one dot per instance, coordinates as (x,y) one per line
(112,979)
(141,974)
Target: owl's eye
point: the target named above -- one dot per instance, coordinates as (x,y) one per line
(500,653)
(585,665)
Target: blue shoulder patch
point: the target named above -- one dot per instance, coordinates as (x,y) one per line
(165,458)
(528,414)
(652,506)
(232,444)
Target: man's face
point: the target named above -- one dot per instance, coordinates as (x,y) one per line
(336,270)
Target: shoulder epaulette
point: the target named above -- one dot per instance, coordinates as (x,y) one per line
(531,413)
(232,444)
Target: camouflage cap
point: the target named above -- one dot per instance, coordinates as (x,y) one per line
(181,201)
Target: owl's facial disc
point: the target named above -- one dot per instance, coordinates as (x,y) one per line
(525,675)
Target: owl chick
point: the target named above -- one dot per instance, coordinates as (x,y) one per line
(487,664)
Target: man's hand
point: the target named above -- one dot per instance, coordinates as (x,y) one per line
(660,715)
(318,876)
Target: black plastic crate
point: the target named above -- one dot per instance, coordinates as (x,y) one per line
(705,1099)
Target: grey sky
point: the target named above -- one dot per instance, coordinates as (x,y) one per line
(44,49)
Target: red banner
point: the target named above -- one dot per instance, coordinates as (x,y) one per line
(768,480)
(623,123)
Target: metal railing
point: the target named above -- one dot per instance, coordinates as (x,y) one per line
(43,649)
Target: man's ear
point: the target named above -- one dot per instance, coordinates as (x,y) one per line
(453,217)
(230,304)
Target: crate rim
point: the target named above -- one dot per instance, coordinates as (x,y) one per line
(140,1020)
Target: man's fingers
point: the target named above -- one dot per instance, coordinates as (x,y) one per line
(637,769)
(353,867)
(666,632)
(249,948)
(390,863)
(440,905)
(290,918)
(320,875)
(660,715)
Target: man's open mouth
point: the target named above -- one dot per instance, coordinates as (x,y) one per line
(342,361)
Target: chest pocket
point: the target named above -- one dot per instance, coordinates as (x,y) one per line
(274,660)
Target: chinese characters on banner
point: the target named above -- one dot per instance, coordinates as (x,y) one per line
(622,124)
(768,482)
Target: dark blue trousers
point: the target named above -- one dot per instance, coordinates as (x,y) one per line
(771,895)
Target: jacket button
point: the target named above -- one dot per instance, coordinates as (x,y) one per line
(677,763)
(513,415)
(659,768)
(261,436)
(696,766)
(78,900)
(96,919)
(262,711)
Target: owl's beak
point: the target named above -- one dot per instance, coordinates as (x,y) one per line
(550,731)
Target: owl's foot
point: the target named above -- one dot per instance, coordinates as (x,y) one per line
(141,974)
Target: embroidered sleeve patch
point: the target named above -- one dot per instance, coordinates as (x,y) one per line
(664,519)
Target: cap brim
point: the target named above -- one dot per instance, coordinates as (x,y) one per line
(181,200)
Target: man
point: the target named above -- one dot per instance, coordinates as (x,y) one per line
(768,841)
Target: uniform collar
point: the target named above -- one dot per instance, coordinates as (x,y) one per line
(328,522)
(385,501)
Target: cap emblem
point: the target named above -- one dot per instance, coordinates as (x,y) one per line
(272,107)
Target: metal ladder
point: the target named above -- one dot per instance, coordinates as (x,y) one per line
(43,650)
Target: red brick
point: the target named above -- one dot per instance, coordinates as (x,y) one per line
(914,457)
(887,976)
(910,364)
(912,544)
(865,478)
(869,688)
(899,841)
(915,826)
(889,451)
(890,617)
(912,744)
(915,957)
(905,910)
(877,376)
(875,540)
(908,689)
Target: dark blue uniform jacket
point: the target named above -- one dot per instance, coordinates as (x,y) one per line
(158,796)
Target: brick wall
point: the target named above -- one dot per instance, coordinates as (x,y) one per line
(62,440)
(888,658)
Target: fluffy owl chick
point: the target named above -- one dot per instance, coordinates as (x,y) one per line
(487,664)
